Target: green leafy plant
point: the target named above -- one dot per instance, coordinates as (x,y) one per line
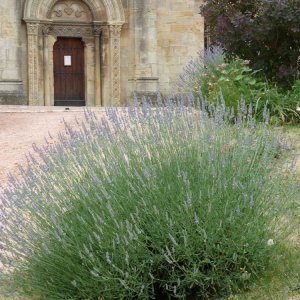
(212,76)
(281,104)
(148,203)
(233,80)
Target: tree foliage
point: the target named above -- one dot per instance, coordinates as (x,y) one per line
(266,32)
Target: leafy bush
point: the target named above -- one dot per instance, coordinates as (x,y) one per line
(265,32)
(234,80)
(211,76)
(151,203)
(214,77)
(282,105)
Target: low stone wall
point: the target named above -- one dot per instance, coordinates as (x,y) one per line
(13,99)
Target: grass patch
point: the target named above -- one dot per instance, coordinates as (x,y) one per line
(281,281)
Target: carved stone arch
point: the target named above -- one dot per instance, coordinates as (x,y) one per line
(39,9)
(48,19)
(98,13)
(69,11)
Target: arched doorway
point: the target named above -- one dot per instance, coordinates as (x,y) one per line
(69,73)
(97,23)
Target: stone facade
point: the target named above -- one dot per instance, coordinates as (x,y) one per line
(130,46)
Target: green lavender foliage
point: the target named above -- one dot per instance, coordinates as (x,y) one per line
(166,202)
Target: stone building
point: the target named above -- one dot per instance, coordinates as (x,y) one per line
(94,52)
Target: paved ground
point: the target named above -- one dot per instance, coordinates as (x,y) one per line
(20,127)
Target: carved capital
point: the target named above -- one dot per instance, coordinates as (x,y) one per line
(46,29)
(32,28)
(105,32)
(97,30)
(115,30)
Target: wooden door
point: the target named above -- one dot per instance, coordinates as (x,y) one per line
(69,86)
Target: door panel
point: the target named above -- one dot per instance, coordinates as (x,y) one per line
(68,58)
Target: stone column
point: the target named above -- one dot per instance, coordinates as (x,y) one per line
(47,97)
(146,75)
(98,100)
(51,41)
(32,38)
(115,52)
(89,70)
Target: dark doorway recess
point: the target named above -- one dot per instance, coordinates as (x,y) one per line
(68,59)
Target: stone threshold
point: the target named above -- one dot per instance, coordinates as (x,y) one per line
(45,109)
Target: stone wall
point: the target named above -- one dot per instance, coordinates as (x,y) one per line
(180,35)
(158,39)
(164,36)
(13,87)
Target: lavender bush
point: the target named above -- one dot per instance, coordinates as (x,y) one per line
(149,203)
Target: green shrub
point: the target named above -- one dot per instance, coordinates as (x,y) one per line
(281,104)
(151,203)
(210,75)
(267,33)
(233,80)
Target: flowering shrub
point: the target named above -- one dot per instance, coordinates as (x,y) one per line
(198,73)
(210,75)
(232,80)
(149,203)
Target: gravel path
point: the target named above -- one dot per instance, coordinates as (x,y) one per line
(21,127)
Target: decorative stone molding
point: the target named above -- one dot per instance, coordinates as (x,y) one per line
(46,29)
(70,30)
(115,44)
(110,11)
(33,72)
(97,33)
(33,28)
(71,10)
(97,30)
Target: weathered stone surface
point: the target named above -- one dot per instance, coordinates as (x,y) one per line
(143,46)
(13,100)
